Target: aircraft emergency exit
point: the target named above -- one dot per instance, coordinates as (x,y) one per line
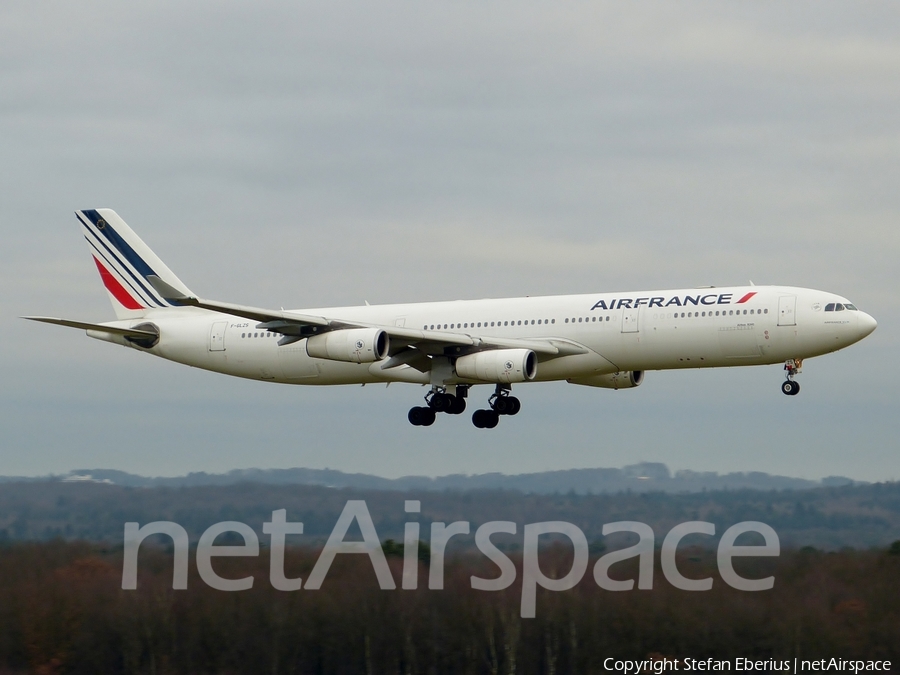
(606,340)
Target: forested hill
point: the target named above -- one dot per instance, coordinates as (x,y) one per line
(858,516)
(642,477)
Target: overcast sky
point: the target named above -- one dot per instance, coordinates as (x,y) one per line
(311,154)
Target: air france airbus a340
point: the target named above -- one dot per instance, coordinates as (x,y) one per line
(600,339)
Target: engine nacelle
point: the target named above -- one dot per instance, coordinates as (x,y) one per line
(503,366)
(622,380)
(354,345)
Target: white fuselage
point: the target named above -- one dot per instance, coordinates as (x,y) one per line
(630,331)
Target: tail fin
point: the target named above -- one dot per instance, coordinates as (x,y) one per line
(124,262)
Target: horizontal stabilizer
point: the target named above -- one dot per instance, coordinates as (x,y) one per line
(112,330)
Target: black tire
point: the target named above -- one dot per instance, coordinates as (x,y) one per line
(478,418)
(458,407)
(415,416)
(428,417)
(491,418)
(515,405)
(787,388)
(441,402)
(501,405)
(795,389)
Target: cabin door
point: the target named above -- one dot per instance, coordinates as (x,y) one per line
(787,308)
(217,336)
(630,320)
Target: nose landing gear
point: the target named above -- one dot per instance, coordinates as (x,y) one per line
(792,367)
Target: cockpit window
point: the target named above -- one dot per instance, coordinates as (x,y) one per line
(838,307)
(829,307)
(849,306)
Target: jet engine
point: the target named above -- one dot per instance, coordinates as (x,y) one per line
(621,380)
(502,366)
(354,345)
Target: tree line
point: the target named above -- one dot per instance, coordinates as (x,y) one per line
(62,610)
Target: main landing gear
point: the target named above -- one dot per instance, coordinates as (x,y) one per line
(438,401)
(501,403)
(792,367)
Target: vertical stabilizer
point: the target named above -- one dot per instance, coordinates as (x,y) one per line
(124,262)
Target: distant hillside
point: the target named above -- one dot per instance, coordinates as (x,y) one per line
(643,477)
(858,516)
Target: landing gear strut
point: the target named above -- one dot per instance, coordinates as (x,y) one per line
(501,403)
(792,367)
(438,400)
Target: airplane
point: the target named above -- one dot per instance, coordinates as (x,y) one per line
(606,340)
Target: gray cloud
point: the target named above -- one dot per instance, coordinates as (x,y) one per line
(314,154)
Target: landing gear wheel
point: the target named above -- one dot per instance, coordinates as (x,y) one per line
(441,402)
(458,406)
(421,416)
(501,405)
(478,419)
(485,419)
(506,405)
(790,387)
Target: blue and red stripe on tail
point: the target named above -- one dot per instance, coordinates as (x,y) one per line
(124,262)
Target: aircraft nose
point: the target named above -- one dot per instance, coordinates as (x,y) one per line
(866,324)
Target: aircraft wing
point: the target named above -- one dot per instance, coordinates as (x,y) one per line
(296,326)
